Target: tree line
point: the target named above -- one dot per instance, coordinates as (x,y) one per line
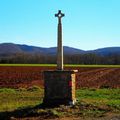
(89,58)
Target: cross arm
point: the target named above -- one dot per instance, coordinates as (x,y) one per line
(59,14)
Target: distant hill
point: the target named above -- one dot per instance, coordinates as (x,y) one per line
(10,48)
(107,51)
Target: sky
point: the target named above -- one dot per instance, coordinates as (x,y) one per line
(87,25)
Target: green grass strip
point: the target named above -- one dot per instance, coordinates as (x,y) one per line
(44,65)
(66,65)
(111,66)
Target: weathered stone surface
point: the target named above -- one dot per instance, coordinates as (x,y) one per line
(59,41)
(59,87)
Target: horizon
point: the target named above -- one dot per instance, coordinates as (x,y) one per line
(87,25)
(63,46)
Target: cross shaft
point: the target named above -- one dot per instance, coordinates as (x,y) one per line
(59,41)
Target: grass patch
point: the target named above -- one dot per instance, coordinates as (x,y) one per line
(91,103)
(7,90)
(29,65)
(74,65)
(11,99)
(66,65)
(101,98)
(114,104)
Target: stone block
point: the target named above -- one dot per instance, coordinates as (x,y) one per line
(59,87)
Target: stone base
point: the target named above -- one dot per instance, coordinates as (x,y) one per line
(59,87)
(56,102)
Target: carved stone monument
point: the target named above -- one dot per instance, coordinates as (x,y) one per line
(60,47)
(59,84)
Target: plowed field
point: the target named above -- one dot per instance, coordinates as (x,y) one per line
(25,76)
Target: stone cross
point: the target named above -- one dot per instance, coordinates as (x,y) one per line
(59,42)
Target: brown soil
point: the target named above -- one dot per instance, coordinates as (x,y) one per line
(109,116)
(15,77)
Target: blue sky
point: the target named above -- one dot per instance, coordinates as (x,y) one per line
(87,25)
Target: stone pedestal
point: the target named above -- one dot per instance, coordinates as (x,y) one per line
(59,87)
